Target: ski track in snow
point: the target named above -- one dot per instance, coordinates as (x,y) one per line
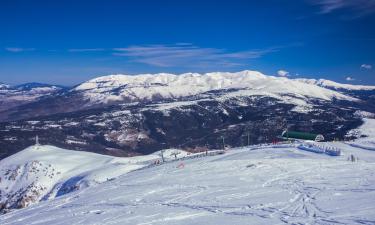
(243,186)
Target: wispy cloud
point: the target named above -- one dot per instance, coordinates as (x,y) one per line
(15,49)
(86,50)
(356,8)
(366,66)
(183,54)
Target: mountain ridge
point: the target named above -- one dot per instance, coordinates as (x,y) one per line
(145,86)
(150,88)
(335,85)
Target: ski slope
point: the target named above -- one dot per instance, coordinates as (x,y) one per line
(45,172)
(263,185)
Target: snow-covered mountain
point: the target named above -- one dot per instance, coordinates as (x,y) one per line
(152,88)
(13,96)
(146,87)
(4,86)
(268,184)
(336,86)
(119,89)
(35,87)
(362,92)
(132,129)
(42,172)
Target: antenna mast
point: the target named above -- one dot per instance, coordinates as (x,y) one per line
(37,140)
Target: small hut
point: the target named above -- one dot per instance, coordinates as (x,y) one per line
(302,136)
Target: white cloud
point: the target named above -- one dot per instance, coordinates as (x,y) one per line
(14,49)
(348,78)
(188,55)
(366,66)
(283,73)
(86,49)
(357,8)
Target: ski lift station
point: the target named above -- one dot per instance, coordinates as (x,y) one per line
(295,135)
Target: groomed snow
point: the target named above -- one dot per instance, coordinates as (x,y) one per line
(261,186)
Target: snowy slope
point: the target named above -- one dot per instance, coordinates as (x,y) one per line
(365,134)
(263,185)
(169,86)
(334,85)
(45,172)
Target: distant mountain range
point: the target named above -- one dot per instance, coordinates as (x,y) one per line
(139,114)
(13,96)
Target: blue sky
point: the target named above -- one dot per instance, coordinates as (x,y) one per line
(67,42)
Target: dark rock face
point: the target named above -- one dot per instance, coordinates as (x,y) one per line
(191,123)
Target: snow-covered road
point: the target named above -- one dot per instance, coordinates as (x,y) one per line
(263,186)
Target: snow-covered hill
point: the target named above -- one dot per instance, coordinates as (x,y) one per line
(335,86)
(4,86)
(45,172)
(257,185)
(146,87)
(12,96)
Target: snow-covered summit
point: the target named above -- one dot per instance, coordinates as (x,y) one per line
(4,86)
(334,85)
(114,88)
